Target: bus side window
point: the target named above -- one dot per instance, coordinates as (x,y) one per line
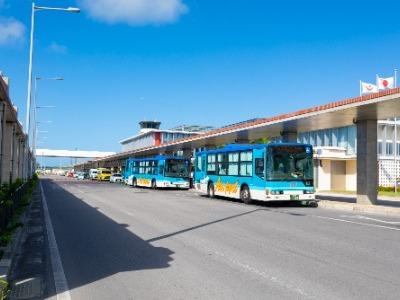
(211,164)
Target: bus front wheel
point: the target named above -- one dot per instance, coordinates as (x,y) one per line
(134,183)
(245,195)
(211,191)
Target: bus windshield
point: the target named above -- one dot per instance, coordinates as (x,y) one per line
(176,168)
(294,163)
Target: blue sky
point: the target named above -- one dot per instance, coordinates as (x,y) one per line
(197,62)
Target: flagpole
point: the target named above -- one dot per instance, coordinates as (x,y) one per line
(395,140)
(377,82)
(395,156)
(360,88)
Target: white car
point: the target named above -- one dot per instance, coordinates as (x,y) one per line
(116,177)
(93,174)
(82,176)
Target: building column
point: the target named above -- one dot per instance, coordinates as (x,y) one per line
(367,162)
(19,155)
(2,138)
(289,137)
(187,153)
(8,158)
(13,171)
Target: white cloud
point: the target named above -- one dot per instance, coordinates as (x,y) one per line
(134,12)
(11,30)
(56,48)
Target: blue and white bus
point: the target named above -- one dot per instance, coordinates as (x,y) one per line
(158,172)
(265,172)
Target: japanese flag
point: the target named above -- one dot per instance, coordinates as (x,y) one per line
(368,88)
(385,83)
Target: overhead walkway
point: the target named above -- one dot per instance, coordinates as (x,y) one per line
(73,154)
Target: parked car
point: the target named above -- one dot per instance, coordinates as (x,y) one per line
(103,174)
(93,174)
(116,177)
(62,172)
(82,176)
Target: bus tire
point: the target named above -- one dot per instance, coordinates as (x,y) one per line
(153,184)
(211,190)
(134,183)
(245,194)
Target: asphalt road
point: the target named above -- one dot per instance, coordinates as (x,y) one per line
(116,242)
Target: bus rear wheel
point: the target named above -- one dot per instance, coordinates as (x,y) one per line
(245,194)
(153,184)
(211,191)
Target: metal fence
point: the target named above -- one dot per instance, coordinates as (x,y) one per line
(7,211)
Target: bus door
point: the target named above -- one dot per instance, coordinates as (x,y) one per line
(260,167)
(200,174)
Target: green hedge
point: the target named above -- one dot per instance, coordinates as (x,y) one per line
(388,189)
(6,199)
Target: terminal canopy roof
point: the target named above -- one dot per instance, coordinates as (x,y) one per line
(377,106)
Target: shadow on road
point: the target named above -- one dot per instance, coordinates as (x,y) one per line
(257,203)
(353,199)
(92,246)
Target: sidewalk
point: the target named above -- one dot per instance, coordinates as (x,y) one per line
(24,263)
(386,205)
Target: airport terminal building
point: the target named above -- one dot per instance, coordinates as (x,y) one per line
(335,154)
(335,150)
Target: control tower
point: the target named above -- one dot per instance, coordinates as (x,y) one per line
(146,126)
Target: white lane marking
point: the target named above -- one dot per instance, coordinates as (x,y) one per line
(269,277)
(128,213)
(368,218)
(77,188)
(58,272)
(358,223)
(377,220)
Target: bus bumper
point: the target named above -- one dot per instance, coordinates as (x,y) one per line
(172,184)
(286,197)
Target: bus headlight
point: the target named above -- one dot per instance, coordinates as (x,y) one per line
(273,192)
(276,192)
(308,192)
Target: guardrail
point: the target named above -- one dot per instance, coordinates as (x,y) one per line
(9,205)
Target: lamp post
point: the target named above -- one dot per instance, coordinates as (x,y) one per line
(35,142)
(28,99)
(35,116)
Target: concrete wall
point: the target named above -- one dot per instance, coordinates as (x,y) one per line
(338,175)
(12,140)
(351,175)
(324,175)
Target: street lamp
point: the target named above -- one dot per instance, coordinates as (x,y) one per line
(28,99)
(35,116)
(35,135)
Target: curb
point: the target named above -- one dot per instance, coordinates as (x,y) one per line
(7,260)
(372,209)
